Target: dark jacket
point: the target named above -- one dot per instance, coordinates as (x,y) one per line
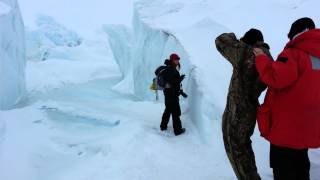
(172,77)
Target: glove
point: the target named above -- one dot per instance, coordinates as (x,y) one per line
(182,77)
(183,94)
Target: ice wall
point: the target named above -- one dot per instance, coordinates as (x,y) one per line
(139,52)
(12,54)
(121,43)
(153,46)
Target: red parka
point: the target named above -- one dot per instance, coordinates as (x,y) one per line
(290,114)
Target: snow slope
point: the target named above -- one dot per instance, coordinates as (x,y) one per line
(12,54)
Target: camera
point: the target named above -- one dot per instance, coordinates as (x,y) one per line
(183,94)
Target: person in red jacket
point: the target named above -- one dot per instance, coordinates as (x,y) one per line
(290,116)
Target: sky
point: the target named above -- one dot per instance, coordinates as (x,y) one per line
(67,12)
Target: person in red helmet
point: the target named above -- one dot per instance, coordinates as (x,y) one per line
(290,116)
(172,91)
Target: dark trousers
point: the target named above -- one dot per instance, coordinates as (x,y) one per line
(172,108)
(289,164)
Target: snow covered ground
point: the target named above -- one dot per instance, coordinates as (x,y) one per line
(89,113)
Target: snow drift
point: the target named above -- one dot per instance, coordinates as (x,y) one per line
(12,54)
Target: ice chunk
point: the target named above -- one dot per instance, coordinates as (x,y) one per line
(48,37)
(57,33)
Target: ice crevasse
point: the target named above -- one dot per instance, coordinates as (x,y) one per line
(12,54)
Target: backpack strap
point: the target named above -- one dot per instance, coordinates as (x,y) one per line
(159,70)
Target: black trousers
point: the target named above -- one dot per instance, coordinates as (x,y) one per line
(289,164)
(172,108)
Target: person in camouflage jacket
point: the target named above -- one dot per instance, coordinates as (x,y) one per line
(239,117)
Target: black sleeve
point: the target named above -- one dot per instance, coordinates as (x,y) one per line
(282,59)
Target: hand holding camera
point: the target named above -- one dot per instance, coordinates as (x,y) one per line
(182,77)
(183,94)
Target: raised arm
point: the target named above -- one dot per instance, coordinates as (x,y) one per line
(277,74)
(228,45)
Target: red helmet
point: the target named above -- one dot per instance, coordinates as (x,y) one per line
(174,57)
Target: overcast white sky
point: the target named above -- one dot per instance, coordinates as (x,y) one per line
(83,16)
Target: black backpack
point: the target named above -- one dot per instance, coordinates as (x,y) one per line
(159,80)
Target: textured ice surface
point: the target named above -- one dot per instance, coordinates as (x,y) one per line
(12,54)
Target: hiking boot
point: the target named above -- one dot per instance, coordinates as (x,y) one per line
(181,131)
(163,128)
